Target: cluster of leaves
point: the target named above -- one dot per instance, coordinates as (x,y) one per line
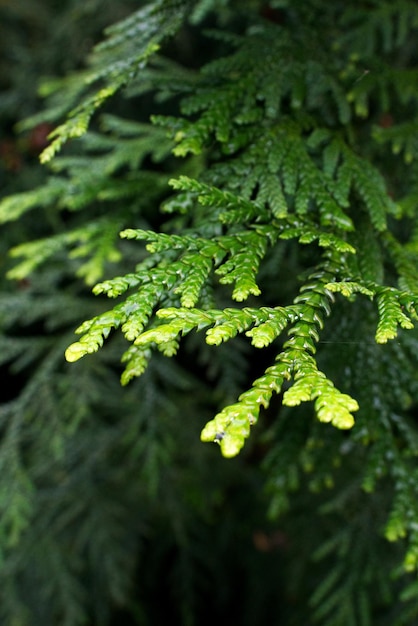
(289,192)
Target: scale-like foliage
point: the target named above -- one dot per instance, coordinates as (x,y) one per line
(282,154)
(116,60)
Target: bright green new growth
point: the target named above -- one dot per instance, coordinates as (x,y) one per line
(266,213)
(308,183)
(300,189)
(304,320)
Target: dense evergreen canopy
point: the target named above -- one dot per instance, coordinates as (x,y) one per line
(220,197)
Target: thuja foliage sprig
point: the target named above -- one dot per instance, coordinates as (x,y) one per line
(285,167)
(116,61)
(263,177)
(235,258)
(286,164)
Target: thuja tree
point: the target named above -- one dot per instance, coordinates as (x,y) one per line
(241,178)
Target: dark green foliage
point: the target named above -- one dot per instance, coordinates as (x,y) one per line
(241,179)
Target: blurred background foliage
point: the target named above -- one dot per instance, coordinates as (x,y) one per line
(111,509)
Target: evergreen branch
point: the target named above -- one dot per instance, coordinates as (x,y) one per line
(13,207)
(391,314)
(130,45)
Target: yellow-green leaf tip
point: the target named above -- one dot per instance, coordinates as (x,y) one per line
(75,352)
